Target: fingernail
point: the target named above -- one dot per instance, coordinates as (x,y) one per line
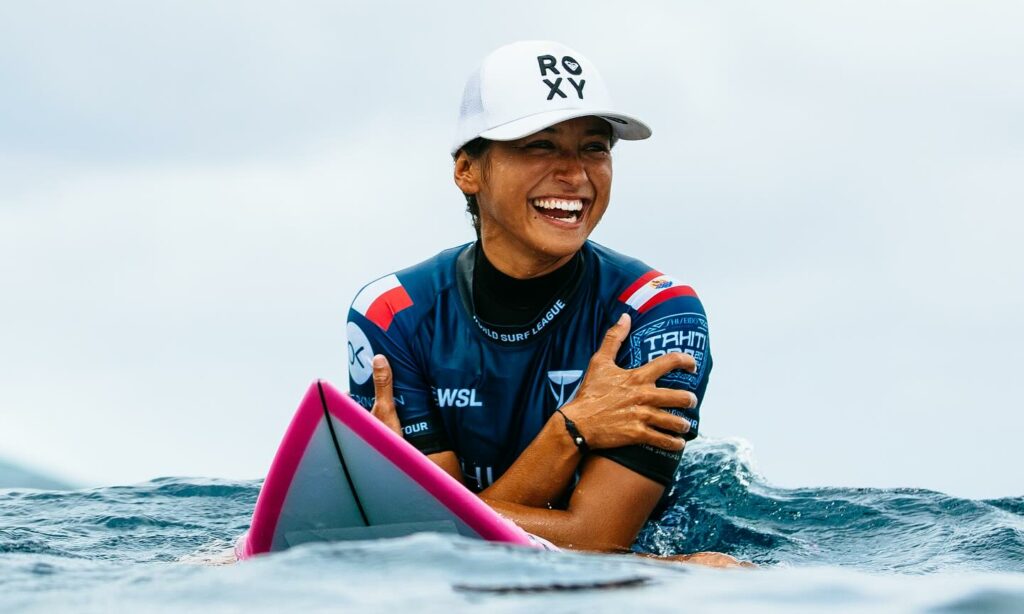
(379,362)
(623,318)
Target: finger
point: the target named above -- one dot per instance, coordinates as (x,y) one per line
(669,397)
(613,339)
(664,441)
(668,362)
(667,421)
(382,382)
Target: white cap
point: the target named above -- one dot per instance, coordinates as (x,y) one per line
(527,86)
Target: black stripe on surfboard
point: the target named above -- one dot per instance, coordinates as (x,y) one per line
(341,458)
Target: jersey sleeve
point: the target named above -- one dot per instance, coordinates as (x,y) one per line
(373,328)
(666,317)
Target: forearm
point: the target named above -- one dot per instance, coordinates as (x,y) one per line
(542,472)
(608,507)
(557,526)
(564,528)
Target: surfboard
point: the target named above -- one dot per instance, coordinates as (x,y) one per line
(340,474)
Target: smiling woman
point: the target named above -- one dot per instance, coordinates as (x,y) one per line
(552,375)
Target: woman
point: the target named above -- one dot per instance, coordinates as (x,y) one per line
(479,353)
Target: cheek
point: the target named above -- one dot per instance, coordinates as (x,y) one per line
(600,173)
(508,191)
(501,200)
(601,178)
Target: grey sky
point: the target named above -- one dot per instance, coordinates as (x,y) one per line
(191,195)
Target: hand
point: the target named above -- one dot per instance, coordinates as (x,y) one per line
(383,395)
(617,407)
(708,559)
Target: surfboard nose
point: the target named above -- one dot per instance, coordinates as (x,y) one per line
(339,474)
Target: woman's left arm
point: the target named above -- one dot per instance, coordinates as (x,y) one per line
(608,508)
(619,487)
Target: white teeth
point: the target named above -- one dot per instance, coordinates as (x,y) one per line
(557,203)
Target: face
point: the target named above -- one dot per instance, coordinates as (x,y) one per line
(540,196)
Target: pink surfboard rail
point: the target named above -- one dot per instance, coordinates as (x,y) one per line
(322,400)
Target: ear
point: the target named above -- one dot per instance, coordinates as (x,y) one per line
(467,173)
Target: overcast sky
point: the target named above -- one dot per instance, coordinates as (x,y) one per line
(192,193)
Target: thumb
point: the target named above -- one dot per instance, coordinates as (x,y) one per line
(614,337)
(382,381)
(384,398)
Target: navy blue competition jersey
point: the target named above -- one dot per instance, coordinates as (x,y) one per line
(484,391)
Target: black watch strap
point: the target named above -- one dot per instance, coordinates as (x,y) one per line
(577,437)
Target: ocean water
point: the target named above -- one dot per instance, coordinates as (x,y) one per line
(165,545)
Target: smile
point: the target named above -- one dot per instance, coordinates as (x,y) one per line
(563,210)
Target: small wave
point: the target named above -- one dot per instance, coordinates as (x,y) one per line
(130,523)
(1012,505)
(720,502)
(23,540)
(178,487)
(204,487)
(159,520)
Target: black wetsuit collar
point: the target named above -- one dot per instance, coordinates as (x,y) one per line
(510,310)
(506,301)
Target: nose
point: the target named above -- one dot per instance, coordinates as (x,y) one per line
(570,170)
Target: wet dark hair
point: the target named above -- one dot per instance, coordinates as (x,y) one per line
(474,149)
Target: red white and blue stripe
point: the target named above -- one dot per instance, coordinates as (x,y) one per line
(381,300)
(652,289)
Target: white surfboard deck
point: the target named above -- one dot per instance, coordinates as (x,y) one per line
(339,474)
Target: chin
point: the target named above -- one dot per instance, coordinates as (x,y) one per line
(560,247)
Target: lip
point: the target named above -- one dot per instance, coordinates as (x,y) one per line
(556,222)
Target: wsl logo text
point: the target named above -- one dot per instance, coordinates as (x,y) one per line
(457,397)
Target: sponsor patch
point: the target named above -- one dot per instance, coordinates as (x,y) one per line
(561,382)
(380,301)
(681,332)
(360,354)
(653,288)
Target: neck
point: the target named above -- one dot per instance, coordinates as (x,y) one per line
(519,263)
(502,300)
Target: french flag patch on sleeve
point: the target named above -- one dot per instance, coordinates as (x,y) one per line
(380,301)
(652,289)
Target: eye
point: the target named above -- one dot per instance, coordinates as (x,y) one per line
(597,146)
(541,144)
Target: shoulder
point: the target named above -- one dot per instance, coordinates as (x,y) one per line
(667,315)
(408,294)
(632,285)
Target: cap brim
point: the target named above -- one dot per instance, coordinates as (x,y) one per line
(625,127)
